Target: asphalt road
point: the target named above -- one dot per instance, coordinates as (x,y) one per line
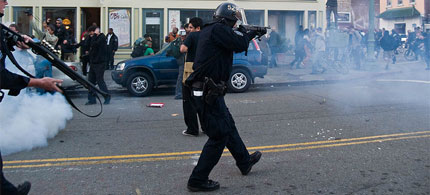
(361,137)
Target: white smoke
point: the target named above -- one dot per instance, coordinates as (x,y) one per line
(29,120)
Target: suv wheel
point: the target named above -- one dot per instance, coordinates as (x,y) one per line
(140,84)
(239,81)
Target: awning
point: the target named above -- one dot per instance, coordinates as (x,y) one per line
(405,12)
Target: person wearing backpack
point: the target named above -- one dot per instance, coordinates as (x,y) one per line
(175,51)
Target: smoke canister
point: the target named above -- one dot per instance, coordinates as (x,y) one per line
(156,105)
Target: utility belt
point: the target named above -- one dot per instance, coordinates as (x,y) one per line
(209,90)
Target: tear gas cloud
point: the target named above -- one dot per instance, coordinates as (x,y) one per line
(29,120)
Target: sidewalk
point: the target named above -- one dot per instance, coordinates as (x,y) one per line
(283,75)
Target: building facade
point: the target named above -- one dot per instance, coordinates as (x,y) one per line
(355,13)
(402,15)
(131,19)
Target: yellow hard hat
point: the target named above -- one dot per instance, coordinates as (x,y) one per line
(67,22)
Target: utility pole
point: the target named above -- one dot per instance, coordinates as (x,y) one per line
(371,33)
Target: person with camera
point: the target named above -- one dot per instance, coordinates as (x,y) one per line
(14,83)
(212,68)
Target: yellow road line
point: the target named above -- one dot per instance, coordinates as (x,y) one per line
(188,157)
(198,152)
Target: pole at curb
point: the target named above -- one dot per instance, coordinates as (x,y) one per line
(371,33)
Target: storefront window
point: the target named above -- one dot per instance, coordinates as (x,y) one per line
(286,23)
(68,15)
(255,17)
(21,19)
(177,18)
(120,21)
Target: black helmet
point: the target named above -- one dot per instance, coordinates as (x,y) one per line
(228,11)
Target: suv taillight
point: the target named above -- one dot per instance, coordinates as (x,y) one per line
(74,68)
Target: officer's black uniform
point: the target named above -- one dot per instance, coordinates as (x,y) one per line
(14,83)
(214,59)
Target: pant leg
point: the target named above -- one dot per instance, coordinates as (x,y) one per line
(335,16)
(427,57)
(215,145)
(84,65)
(6,187)
(328,14)
(190,112)
(178,91)
(92,79)
(99,73)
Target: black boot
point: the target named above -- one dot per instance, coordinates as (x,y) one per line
(209,185)
(24,188)
(107,100)
(254,158)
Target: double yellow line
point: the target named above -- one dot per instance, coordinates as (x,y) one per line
(64,162)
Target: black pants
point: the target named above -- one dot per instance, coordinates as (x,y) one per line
(221,129)
(190,111)
(6,187)
(298,58)
(85,61)
(110,59)
(96,77)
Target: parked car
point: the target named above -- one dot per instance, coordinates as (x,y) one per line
(68,83)
(141,75)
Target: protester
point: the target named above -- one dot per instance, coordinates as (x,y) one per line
(68,47)
(186,28)
(378,37)
(149,51)
(140,46)
(396,44)
(387,44)
(274,44)
(43,68)
(189,47)
(173,35)
(97,63)
(331,6)
(112,47)
(300,52)
(85,51)
(355,47)
(61,33)
(175,51)
(166,42)
(319,51)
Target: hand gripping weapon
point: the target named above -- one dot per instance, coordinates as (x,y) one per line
(47,51)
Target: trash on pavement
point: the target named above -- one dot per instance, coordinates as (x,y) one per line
(156,105)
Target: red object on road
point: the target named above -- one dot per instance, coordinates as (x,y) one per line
(156,105)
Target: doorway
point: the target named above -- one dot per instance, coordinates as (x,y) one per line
(152,20)
(89,16)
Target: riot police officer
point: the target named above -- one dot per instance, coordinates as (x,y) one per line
(15,83)
(212,68)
